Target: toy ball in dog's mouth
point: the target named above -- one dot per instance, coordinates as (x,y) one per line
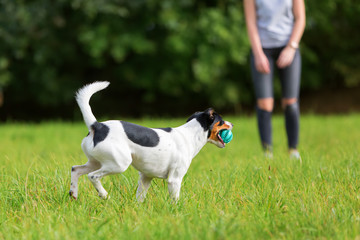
(225,135)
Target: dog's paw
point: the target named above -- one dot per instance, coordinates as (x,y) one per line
(105,196)
(140,199)
(72,195)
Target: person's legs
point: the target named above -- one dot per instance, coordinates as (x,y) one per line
(292,115)
(263,85)
(264,112)
(290,81)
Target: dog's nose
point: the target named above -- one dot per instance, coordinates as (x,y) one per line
(229,124)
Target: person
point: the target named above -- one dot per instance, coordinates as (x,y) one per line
(275,28)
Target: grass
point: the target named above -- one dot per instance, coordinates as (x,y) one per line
(228,193)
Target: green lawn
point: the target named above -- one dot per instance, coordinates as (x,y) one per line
(227,193)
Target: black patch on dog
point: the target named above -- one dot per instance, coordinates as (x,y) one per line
(166,129)
(207,119)
(100,132)
(202,118)
(143,136)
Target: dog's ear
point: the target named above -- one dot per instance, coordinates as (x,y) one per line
(210,113)
(205,118)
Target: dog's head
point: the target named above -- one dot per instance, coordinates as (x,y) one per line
(213,123)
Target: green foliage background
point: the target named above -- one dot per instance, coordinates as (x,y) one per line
(180,54)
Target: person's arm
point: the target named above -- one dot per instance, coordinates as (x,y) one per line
(261,62)
(287,55)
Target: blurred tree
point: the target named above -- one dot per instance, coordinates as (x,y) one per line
(331,44)
(164,55)
(156,48)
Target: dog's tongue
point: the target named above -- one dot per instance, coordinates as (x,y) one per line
(221,140)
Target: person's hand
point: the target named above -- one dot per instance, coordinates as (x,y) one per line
(262,63)
(286,57)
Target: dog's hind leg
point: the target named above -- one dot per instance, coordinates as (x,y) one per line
(77,171)
(106,169)
(95,177)
(144,184)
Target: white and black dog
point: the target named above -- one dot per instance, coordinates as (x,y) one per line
(166,153)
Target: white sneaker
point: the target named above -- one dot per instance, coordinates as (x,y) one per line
(268,155)
(295,155)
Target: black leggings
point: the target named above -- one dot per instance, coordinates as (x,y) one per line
(289,76)
(290,86)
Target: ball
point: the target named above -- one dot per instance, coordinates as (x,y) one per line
(226,135)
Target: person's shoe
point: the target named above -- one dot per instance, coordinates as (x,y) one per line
(294,154)
(268,155)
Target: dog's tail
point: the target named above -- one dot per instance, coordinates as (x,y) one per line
(83,97)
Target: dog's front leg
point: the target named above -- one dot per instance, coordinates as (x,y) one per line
(174,185)
(144,184)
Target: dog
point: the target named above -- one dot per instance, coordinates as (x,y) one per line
(112,146)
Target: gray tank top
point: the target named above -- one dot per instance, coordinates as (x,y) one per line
(275,21)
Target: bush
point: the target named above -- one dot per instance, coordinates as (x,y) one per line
(154,52)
